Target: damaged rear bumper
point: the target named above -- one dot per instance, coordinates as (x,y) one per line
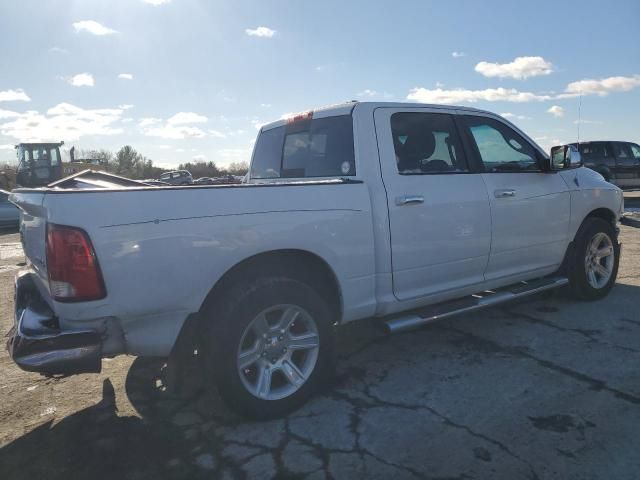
(38,344)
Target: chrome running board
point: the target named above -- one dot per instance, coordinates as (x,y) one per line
(480,300)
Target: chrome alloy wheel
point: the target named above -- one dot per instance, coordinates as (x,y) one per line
(278,352)
(599,260)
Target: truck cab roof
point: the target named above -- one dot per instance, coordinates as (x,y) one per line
(347,108)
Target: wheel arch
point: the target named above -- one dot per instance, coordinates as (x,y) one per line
(602,213)
(299,264)
(605,214)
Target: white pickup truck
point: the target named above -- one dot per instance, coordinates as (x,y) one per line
(404,212)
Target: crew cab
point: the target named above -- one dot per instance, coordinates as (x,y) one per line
(401,212)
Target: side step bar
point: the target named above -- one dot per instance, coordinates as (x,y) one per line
(484,299)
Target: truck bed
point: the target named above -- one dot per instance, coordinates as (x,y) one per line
(162,249)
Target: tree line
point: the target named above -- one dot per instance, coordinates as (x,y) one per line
(127,162)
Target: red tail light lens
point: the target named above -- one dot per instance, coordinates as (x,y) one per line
(299,117)
(74,273)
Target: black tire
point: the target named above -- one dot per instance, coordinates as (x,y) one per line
(579,284)
(224,323)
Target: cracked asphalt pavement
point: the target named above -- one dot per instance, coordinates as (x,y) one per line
(546,388)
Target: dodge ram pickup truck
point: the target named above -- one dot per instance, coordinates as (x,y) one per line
(403,212)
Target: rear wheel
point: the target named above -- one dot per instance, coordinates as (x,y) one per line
(593,265)
(271,347)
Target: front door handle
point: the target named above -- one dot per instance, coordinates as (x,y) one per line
(409,199)
(504,192)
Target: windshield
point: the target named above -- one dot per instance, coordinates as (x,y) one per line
(38,156)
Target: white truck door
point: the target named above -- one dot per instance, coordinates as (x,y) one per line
(439,213)
(530,208)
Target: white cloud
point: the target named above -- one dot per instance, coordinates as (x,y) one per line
(125,106)
(458,54)
(556,111)
(14,95)
(546,142)
(62,122)
(265,105)
(264,32)
(600,87)
(82,80)
(367,93)
(156,3)
(461,95)
(235,133)
(199,158)
(603,86)
(520,68)
(7,147)
(147,121)
(93,27)
(182,118)
(164,147)
(176,127)
(8,114)
(174,132)
(125,76)
(257,123)
(59,50)
(127,120)
(217,134)
(587,122)
(513,116)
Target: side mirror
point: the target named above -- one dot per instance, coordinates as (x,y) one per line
(565,157)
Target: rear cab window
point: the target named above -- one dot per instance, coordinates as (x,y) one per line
(308,148)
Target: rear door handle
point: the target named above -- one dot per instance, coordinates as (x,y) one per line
(409,199)
(504,192)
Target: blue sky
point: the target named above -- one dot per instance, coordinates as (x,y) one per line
(193,79)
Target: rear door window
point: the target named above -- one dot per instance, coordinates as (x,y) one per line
(594,150)
(321,147)
(426,143)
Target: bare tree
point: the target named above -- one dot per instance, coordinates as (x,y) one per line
(238,168)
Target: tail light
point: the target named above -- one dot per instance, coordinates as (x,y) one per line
(74,273)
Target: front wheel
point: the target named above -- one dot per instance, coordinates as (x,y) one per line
(593,266)
(271,346)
